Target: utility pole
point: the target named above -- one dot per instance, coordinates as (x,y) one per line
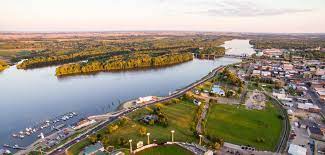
(148,140)
(130,141)
(172,135)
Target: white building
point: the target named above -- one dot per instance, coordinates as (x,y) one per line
(145,99)
(297,150)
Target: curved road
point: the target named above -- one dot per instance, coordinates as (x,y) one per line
(62,148)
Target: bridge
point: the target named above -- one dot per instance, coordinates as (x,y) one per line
(242,56)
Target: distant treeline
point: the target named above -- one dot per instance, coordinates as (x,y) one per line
(3,65)
(59,59)
(123,62)
(301,44)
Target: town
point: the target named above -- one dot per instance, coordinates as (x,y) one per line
(270,102)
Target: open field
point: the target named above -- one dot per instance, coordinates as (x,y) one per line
(165,150)
(235,124)
(180,118)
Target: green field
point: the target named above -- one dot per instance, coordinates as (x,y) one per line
(245,127)
(165,150)
(180,118)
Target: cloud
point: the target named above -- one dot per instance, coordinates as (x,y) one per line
(236,8)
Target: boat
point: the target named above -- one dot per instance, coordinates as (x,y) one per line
(14,135)
(21,136)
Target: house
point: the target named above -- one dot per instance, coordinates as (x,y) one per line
(287,67)
(297,150)
(94,149)
(256,73)
(266,74)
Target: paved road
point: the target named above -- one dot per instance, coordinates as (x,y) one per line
(179,93)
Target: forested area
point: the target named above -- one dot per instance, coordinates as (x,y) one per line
(56,52)
(205,53)
(55,60)
(123,62)
(301,44)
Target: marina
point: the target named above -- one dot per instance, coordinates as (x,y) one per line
(44,125)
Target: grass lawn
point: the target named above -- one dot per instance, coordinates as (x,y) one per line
(165,150)
(180,118)
(241,126)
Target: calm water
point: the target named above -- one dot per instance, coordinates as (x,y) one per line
(239,47)
(32,96)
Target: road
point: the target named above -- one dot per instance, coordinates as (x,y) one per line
(62,148)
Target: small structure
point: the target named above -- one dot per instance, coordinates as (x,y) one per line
(147,118)
(97,148)
(297,150)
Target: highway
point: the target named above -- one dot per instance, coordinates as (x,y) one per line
(61,149)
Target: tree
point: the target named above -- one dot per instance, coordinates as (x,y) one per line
(229,93)
(142,131)
(217,146)
(278,84)
(111,128)
(105,141)
(92,138)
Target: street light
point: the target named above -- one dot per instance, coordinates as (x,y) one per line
(172,135)
(130,141)
(200,139)
(148,140)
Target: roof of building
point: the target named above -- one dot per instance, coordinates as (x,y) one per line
(297,150)
(315,130)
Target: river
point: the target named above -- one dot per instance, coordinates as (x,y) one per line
(29,97)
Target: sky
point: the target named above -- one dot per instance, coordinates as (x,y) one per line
(272,16)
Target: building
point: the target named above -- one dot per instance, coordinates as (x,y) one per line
(297,150)
(145,99)
(279,94)
(309,107)
(83,123)
(94,149)
(272,52)
(315,132)
(287,67)
(256,73)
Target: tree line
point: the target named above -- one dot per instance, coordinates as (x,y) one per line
(59,59)
(123,62)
